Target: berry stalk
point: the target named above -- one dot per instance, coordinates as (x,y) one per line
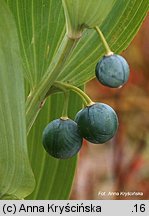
(104,42)
(65,107)
(85,97)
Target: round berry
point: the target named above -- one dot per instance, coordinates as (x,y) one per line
(61,138)
(112,71)
(97,123)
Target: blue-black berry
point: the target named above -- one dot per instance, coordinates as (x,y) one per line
(112,71)
(97,123)
(61,138)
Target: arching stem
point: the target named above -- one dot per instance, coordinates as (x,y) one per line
(36,98)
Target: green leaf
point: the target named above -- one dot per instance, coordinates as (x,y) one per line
(41,28)
(53,176)
(81,13)
(16,177)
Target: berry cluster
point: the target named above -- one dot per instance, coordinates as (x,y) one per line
(96,122)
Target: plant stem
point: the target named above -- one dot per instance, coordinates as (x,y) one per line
(65,107)
(37,96)
(82,94)
(104,42)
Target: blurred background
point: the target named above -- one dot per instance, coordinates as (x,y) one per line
(122,164)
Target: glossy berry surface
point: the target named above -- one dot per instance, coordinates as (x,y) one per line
(61,138)
(97,123)
(112,71)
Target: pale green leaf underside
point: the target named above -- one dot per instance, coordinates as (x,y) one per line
(85,13)
(41,27)
(16,177)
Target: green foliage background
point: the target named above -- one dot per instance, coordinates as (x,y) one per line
(35,30)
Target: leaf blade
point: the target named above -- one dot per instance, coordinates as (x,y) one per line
(16,179)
